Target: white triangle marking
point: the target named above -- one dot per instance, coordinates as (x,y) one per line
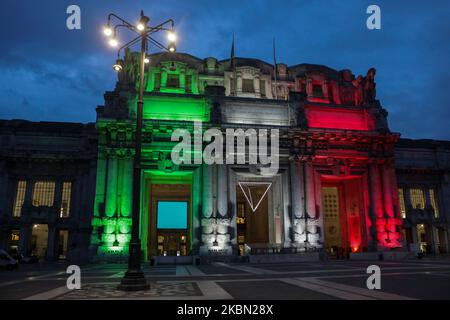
(249,196)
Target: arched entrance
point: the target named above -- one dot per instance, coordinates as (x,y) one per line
(343,215)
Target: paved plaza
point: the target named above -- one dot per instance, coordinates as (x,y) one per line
(345,279)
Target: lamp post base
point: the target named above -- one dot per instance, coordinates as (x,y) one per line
(134,281)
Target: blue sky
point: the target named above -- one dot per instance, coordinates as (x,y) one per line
(50,73)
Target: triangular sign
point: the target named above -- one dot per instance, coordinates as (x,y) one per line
(247,191)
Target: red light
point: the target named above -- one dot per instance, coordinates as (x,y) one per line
(339,118)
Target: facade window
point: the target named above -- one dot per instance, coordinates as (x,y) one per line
(248,86)
(173,81)
(262,87)
(401,198)
(43,193)
(417,198)
(434,202)
(20,198)
(317,90)
(65,201)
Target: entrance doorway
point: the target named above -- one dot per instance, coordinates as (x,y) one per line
(39,241)
(170,220)
(342,201)
(252,223)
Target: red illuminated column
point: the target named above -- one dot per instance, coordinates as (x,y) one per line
(310,191)
(390,198)
(388,192)
(376,199)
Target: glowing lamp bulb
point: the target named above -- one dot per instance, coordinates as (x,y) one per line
(146,60)
(117,67)
(140,26)
(113,42)
(172,36)
(107,31)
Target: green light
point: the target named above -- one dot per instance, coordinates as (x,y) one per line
(176,108)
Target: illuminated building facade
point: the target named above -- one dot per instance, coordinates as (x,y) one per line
(346,184)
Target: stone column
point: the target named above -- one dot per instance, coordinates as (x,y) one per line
(24,236)
(58,197)
(111,188)
(296,184)
(28,192)
(376,206)
(127,187)
(285,194)
(238,82)
(310,191)
(388,191)
(408,203)
(196,206)
(207,196)
(51,242)
(296,188)
(256,85)
(100,183)
(222,191)
(232,204)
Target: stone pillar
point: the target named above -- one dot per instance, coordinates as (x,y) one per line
(127,187)
(256,85)
(296,184)
(28,192)
(408,203)
(376,206)
(297,197)
(58,197)
(238,82)
(232,204)
(196,206)
(434,239)
(388,191)
(310,191)
(111,188)
(222,191)
(285,194)
(100,184)
(25,232)
(51,242)
(207,194)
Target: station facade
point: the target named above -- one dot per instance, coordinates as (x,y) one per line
(346,185)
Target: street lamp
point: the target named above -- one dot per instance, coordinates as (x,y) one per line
(134,278)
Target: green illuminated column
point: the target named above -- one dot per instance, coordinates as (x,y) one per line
(111,188)
(222,190)
(207,199)
(196,202)
(127,186)
(100,184)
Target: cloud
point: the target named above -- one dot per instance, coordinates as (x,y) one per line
(62,74)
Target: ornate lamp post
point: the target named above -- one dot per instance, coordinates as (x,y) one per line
(134,278)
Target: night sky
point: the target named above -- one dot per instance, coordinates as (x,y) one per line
(49,73)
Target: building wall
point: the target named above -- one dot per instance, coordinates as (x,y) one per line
(57,153)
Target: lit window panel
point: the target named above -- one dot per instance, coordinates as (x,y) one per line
(65,201)
(401,199)
(43,193)
(417,198)
(434,203)
(20,198)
